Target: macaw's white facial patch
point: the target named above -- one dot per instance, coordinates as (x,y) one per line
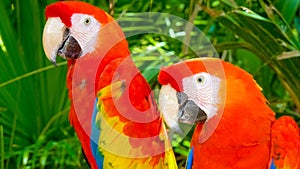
(85,29)
(203,88)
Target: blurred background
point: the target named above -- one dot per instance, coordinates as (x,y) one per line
(260,36)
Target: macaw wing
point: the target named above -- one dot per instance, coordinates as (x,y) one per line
(98,156)
(124,141)
(190,158)
(285,143)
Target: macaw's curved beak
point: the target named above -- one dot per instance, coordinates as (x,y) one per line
(178,111)
(189,112)
(57,40)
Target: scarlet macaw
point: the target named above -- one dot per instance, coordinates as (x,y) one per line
(112,108)
(235,127)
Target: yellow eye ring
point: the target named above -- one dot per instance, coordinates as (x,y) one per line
(200,79)
(87,21)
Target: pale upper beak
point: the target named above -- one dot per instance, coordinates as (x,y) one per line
(52,37)
(57,40)
(179,112)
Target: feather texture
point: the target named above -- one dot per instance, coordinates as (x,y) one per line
(123,129)
(132,132)
(286,143)
(247,134)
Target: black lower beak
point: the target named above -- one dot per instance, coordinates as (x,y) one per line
(70,48)
(189,113)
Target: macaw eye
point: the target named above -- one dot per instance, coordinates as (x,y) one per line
(200,79)
(87,21)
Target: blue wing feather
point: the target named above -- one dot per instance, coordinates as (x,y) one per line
(95,137)
(189,162)
(272,165)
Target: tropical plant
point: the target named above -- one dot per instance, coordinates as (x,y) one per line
(260,36)
(270,31)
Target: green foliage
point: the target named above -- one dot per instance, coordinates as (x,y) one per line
(33,106)
(264,30)
(34,127)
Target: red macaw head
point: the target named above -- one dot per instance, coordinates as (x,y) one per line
(74,29)
(197,90)
(191,91)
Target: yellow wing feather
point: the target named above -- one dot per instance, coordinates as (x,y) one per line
(116,147)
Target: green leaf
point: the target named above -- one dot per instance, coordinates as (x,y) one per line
(279,21)
(288,9)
